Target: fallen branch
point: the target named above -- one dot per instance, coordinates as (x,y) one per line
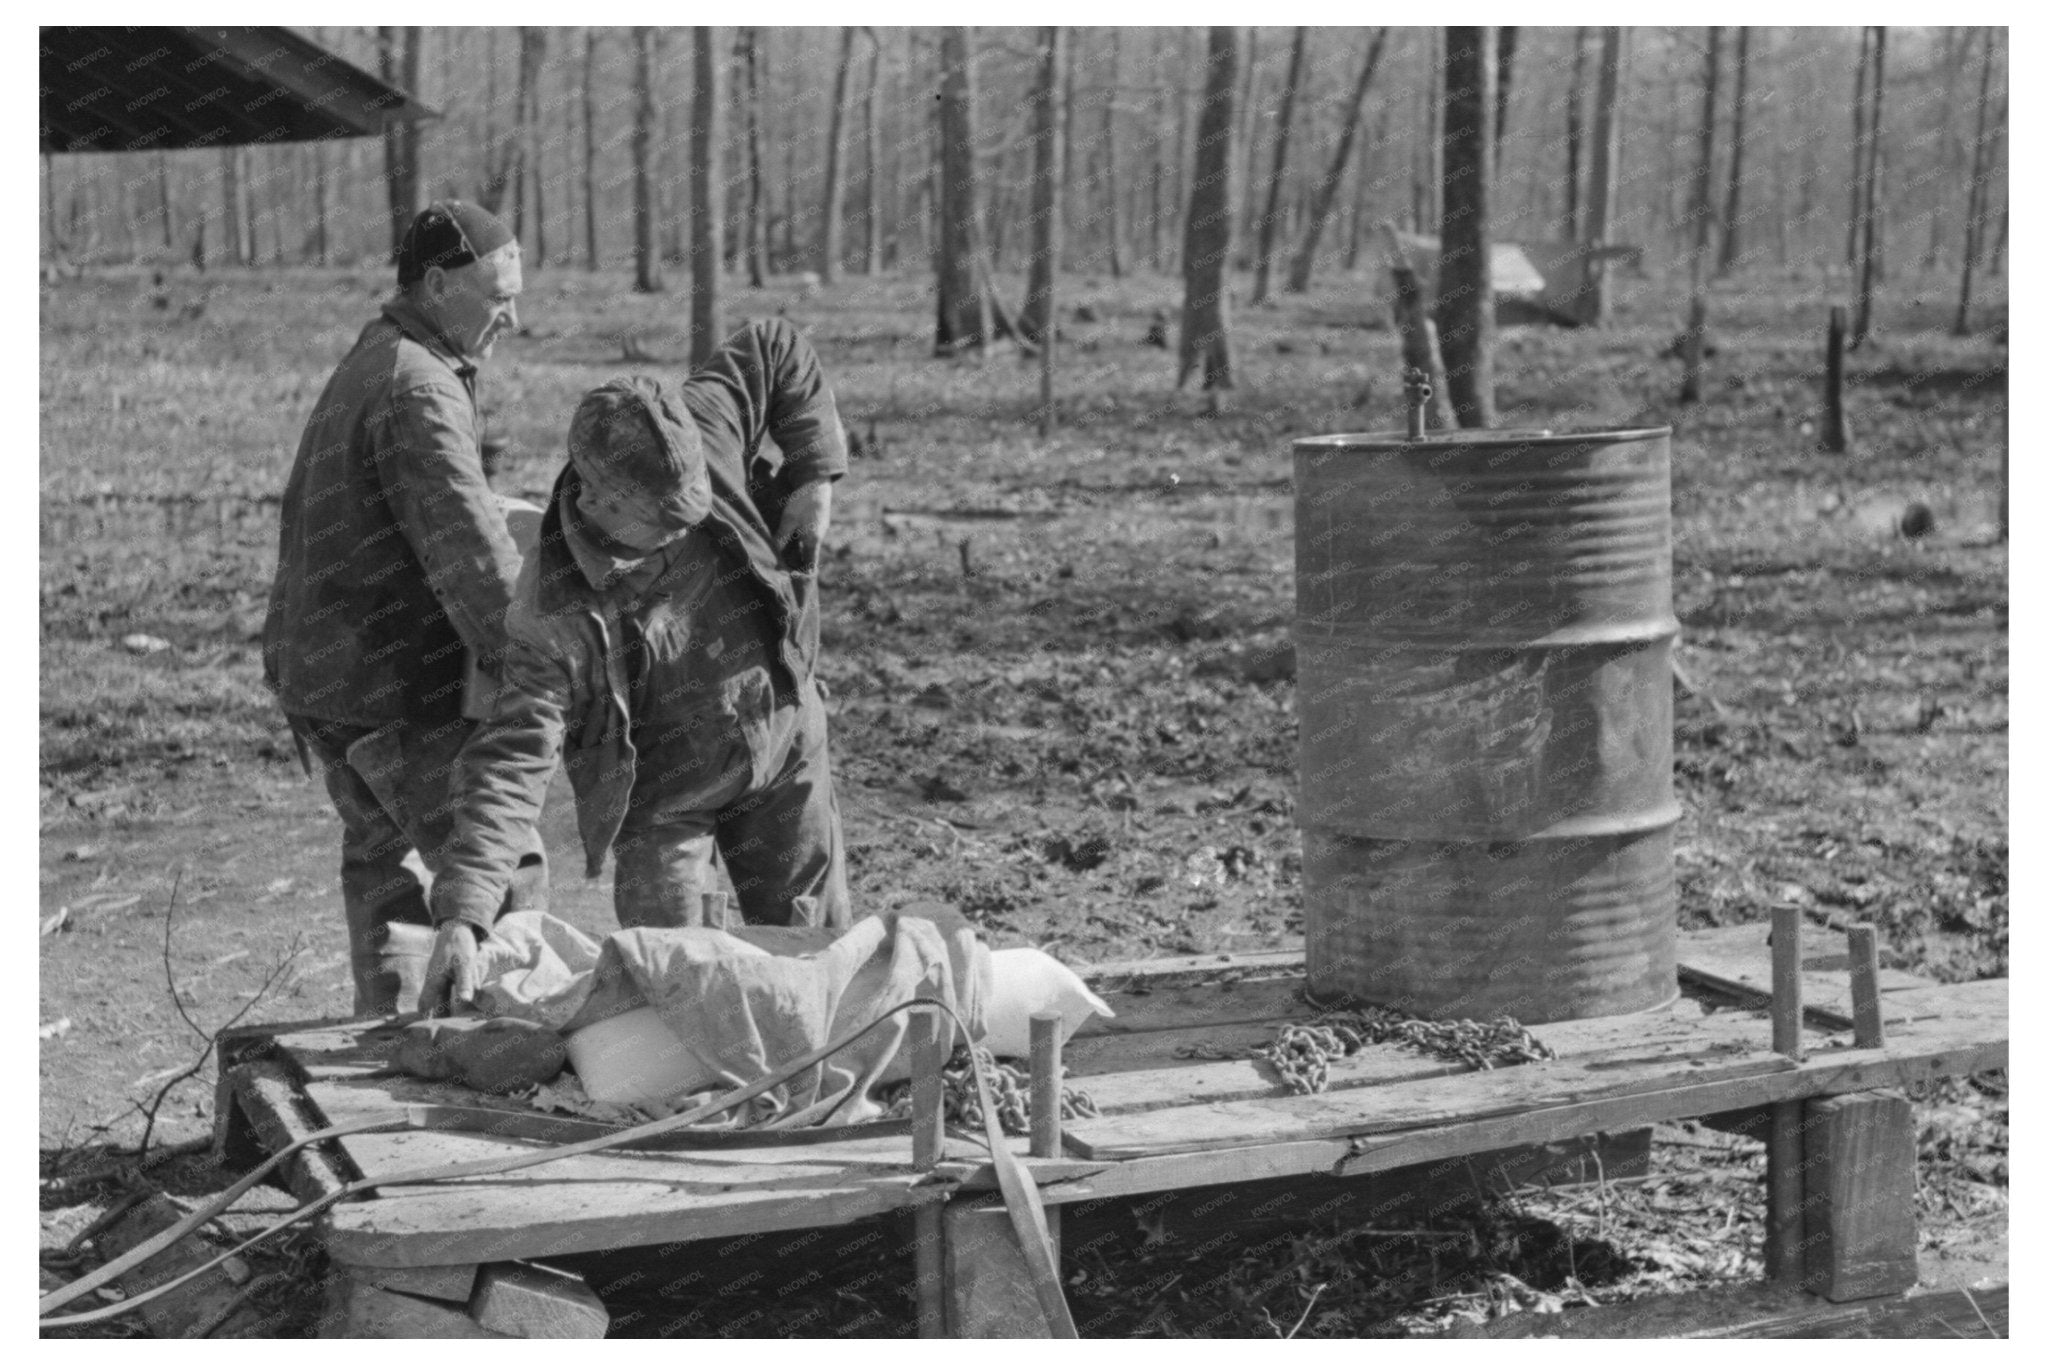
(149,1112)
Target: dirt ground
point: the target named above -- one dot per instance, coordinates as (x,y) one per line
(1059,690)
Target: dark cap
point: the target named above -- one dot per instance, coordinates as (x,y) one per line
(449,233)
(636,440)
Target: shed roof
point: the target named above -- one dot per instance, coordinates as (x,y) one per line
(135,89)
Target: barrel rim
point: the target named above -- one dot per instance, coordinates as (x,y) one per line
(1395,441)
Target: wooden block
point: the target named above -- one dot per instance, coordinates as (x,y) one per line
(449,1283)
(1860,1237)
(182,1312)
(987,1282)
(358,1309)
(269,1096)
(517,1299)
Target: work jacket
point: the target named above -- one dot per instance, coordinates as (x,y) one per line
(566,689)
(392,553)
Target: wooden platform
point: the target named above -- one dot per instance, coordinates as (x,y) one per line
(1172,1115)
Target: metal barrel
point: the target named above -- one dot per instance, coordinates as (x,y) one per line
(1483,633)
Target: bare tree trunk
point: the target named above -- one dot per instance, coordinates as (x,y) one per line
(1873,198)
(321,251)
(170,225)
(1973,215)
(1731,217)
(1464,307)
(1858,145)
(590,250)
(960,309)
(646,116)
(707,195)
(533,51)
(234,206)
(1694,341)
(1509,38)
(1834,434)
(1278,179)
(1040,321)
(1954,53)
(835,158)
(1205,314)
(871,237)
(757,225)
(1596,306)
(1113,219)
(1157,226)
(1326,187)
(1246,144)
(1574,135)
(398,63)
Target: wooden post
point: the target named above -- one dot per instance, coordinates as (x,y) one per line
(1859,1227)
(1046,1073)
(1863,985)
(1835,421)
(1784,1151)
(927,1142)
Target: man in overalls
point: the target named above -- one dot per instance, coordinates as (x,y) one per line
(663,640)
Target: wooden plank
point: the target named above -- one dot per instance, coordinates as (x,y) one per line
(1761,1311)
(521,1300)
(986,1280)
(1736,960)
(1783,1152)
(270,1099)
(1722,1048)
(1115,978)
(1172,1080)
(1200,1005)
(465,1221)
(1859,1234)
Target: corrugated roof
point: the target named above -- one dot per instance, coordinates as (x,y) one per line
(136,89)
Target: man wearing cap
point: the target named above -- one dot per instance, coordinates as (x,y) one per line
(664,633)
(393,562)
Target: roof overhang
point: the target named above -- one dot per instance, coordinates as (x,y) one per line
(140,89)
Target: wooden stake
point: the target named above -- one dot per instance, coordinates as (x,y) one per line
(1046,1071)
(927,1143)
(1863,985)
(1784,1149)
(1835,421)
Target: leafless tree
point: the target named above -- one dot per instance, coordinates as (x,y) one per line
(1277,180)
(835,158)
(646,118)
(1326,186)
(1464,310)
(707,194)
(1205,314)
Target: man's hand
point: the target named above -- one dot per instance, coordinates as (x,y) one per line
(452,971)
(804,519)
